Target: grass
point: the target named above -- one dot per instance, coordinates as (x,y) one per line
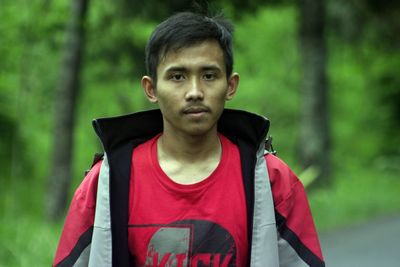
(27,241)
(26,238)
(357,195)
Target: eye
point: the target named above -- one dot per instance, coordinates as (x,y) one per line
(176,77)
(209,76)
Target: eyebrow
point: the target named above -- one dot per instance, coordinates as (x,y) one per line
(183,69)
(178,69)
(211,67)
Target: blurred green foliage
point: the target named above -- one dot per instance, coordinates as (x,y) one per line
(364,98)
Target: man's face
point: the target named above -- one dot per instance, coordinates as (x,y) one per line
(192,88)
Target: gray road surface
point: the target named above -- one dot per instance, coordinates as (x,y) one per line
(372,244)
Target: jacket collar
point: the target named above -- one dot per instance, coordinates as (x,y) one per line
(141,126)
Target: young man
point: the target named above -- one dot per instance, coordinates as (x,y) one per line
(188,184)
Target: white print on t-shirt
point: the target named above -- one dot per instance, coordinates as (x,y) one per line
(190,243)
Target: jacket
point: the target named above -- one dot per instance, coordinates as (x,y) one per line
(281,230)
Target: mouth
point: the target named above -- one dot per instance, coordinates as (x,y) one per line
(196,111)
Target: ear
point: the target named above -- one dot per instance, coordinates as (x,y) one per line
(149,89)
(233,83)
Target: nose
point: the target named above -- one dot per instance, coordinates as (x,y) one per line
(195,90)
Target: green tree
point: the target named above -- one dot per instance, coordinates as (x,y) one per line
(65,109)
(314,146)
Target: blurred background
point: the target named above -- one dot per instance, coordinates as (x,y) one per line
(326,74)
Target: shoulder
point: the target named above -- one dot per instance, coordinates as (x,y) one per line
(279,171)
(87,190)
(284,181)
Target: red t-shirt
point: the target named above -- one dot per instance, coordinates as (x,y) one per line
(201,224)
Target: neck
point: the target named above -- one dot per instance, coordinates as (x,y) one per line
(189,148)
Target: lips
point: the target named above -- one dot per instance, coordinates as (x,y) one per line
(195,110)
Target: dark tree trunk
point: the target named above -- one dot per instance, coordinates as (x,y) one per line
(314,148)
(65,106)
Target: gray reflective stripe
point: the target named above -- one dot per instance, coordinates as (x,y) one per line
(101,248)
(83,259)
(288,257)
(264,247)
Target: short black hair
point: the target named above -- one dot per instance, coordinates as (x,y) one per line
(185,29)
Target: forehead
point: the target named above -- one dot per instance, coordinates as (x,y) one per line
(207,52)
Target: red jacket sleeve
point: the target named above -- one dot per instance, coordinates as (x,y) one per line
(78,226)
(294,220)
